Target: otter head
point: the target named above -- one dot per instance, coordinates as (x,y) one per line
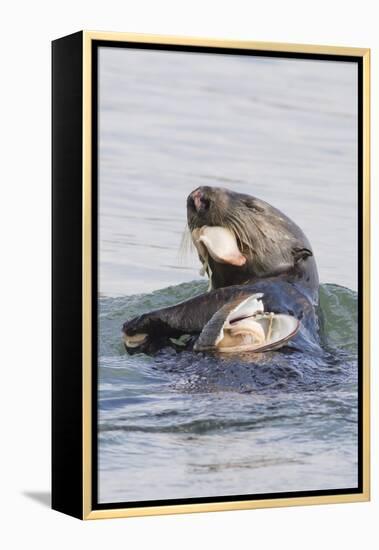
(271,243)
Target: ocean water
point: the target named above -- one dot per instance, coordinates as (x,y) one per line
(191,425)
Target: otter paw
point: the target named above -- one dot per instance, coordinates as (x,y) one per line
(135,332)
(137,325)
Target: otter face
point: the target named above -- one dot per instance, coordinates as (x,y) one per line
(271,243)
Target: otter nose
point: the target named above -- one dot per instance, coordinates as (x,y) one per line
(199,200)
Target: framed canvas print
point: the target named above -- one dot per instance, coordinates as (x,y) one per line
(210,275)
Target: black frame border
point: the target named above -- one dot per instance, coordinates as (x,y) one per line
(67,254)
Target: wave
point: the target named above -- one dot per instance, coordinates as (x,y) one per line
(338,311)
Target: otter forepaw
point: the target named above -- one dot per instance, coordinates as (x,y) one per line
(135,332)
(136,325)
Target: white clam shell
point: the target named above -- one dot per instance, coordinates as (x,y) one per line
(219,243)
(135,341)
(249,328)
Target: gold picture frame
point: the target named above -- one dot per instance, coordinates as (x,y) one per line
(81,473)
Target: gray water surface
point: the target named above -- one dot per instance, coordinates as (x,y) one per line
(189,425)
(192,425)
(283,130)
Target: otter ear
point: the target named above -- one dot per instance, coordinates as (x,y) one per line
(252,203)
(301,254)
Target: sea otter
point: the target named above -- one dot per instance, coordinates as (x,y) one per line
(263,282)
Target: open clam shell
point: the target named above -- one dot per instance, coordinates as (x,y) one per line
(262,332)
(219,243)
(247,327)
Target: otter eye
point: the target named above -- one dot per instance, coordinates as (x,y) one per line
(301,254)
(253,205)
